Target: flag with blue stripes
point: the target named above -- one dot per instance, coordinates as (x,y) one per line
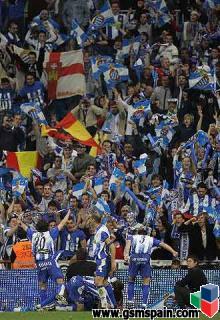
(115,73)
(78,33)
(117,174)
(140,166)
(165,133)
(126,45)
(140,111)
(138,67)
(103,18)
(161,13)
(56,149)
(202,79)
(37,173)
(155,194)
(98,184)
(77,190)
(136,41)
(34,111)
(155,142)
(202,138)
(102,206)
(99,65)
(19,185)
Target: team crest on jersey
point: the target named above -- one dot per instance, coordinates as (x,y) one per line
(114,75)
(98,21)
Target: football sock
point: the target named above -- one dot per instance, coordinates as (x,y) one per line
(111,295)
(60,289)
(43,295)
(102,294)
(130,290)
(146,290)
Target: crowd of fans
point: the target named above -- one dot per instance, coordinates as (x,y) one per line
(174,193)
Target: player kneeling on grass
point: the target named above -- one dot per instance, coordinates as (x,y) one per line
(104,254)
(137,252)
(82,293)
(46,259)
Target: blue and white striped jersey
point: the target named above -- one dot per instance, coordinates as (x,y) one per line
(141,247)
(43,243)
(100,247)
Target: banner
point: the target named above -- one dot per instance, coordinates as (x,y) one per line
(23,162)
(65,74)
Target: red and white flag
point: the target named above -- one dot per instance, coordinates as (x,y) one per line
(65,74)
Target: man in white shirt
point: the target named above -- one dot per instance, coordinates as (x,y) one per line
(168,50)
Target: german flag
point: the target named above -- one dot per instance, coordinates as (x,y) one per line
(23,162)
(75,128)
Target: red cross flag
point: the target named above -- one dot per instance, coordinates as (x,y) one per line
(65,74)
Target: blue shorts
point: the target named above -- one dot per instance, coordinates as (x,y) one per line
(143,268)
(48,269)
(103,267)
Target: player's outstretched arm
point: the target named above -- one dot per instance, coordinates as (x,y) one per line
(169,248)
(64,221)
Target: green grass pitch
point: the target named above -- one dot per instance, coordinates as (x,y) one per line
(63,316)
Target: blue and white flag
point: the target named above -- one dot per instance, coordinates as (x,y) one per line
(202,138)
(37,173)
(102,206)
(155,194)
(33,109)
(126,45)
(56,149)
(165,133)
(103,18)
(140,111)
(78,33)
(140,166)
(19,185)
(155,142)
(202,79)
(143,104)
(116,73)
(138,67)
(98,185)
(161,13)
(117,174)
(136,44)
(77,190)
(99,65)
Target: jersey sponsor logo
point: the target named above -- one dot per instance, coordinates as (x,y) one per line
(44,264)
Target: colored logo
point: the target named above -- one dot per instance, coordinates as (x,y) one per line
(114,75)
(206,300)
(98,21)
